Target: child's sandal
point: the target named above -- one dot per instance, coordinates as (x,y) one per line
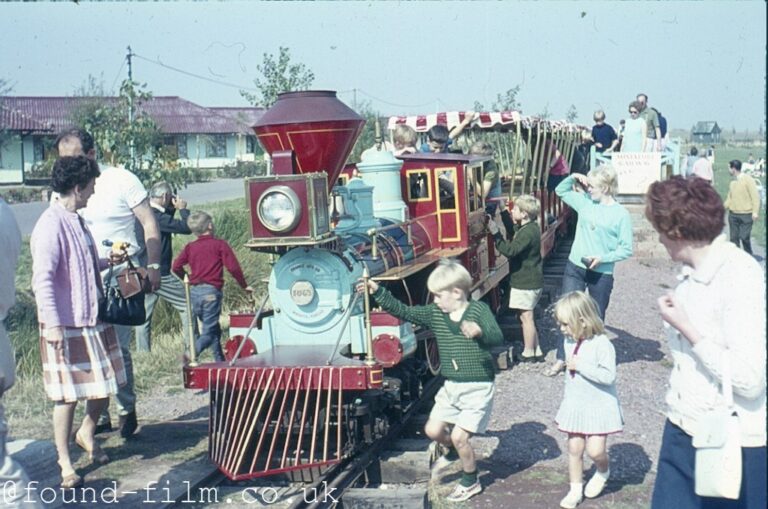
(555,369)
(70,481)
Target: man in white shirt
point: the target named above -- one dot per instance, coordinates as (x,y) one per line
(13,479)
(118,201)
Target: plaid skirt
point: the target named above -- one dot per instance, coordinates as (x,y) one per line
(88,365)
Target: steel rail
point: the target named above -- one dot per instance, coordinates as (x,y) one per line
(338,482)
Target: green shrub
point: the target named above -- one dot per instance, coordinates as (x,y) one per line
(242,169)
(232,224)
(22,194)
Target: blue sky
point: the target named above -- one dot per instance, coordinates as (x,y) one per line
(696,60)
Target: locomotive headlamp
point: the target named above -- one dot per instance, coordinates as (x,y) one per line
(279,209)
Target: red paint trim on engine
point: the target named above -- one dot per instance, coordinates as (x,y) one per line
(352,377)
(242,320)
(382,319)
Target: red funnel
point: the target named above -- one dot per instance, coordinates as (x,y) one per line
(320,129)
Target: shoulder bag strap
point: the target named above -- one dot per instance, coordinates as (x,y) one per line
(726,385)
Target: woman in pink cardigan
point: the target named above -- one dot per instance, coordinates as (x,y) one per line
(80,354)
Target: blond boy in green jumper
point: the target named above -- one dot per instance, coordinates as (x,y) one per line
(465,331)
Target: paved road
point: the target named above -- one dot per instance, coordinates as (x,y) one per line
(195,194)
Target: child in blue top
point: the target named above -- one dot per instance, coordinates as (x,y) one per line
(603,237)
(439,138)
(590,408)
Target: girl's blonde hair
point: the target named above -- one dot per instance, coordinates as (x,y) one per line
(528,205)
(579,311)
(449,274)
(404,135)
(604,177)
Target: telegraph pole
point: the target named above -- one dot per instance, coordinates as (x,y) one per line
(130,109)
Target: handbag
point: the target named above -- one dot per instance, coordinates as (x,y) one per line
(717,440)
(123,303)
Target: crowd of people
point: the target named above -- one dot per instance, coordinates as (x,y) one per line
(717,336)
(100,222)
(711,335)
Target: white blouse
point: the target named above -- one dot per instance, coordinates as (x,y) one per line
(725,300)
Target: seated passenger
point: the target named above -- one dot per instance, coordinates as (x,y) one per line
(490,189)
(439,138)
(404,138)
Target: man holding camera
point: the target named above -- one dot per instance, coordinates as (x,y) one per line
(164,205)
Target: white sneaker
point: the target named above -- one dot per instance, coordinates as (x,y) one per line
(461,493)
(438,458)
(596,484)
(571,500)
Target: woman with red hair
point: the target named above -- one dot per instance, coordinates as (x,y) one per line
(715,326)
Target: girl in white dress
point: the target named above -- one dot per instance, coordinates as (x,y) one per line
(590,408)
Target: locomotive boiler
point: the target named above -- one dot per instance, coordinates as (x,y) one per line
(324,373)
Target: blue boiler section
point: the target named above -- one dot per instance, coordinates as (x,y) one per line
(312,289)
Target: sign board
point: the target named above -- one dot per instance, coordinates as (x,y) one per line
(636,170)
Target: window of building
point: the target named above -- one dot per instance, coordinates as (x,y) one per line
(217,145)
(41,148)
(251,145)
(181,147)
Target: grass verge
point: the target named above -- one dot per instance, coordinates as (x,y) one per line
(27,408)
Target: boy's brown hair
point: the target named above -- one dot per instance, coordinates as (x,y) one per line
(481,148)
(529,205)
(199,221)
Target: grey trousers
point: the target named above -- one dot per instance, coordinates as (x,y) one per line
(13,480)
(172,291)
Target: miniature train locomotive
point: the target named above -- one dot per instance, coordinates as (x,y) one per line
(330,373)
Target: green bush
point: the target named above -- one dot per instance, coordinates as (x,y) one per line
(22,194)
(242,169)
(231,219)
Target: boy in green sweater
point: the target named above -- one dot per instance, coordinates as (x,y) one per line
(526,278)
(465,331)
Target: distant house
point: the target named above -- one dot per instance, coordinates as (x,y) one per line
(705,132)
(200,137)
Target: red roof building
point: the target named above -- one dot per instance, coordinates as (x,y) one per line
(201,137)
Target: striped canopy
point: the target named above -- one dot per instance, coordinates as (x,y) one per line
(484,120)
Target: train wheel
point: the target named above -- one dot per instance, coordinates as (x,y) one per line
(433,356)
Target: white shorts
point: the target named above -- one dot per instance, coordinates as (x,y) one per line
(650,145)
(467,405)
(524,299)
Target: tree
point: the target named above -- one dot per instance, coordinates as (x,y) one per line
(278,76)
(106,118)
(367,138)
(92,87)
(504,102)
(545,114)
(571,115)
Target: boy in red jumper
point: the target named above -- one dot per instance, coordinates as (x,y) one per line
(207,256)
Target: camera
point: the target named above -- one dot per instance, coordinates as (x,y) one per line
(587,261)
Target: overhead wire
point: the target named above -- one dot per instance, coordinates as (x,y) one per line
(193,75)
(388,103)
(252,89)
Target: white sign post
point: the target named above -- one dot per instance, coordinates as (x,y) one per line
(636,170)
